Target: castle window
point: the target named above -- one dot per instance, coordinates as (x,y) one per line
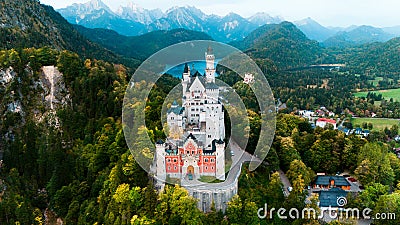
(206,168)
(174,160)
(169,160)
(209,136)
(212,168)
(169,167)
(205,160)
(174,167)
(187,152)
(192,152)
(212,160)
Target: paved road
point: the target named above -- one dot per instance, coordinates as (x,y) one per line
(285,181)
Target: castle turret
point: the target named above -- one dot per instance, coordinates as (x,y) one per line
(210,69)
(220,161)
(185,81)
(160,160)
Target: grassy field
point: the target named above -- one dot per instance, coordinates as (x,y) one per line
(387,94)
(378,123)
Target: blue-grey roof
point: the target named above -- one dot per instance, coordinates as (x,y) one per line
(325,180)
(220,141)
(211,86)
(176,109)
(330,197)
(209,151)
(195,73)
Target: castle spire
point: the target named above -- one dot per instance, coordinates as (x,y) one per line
(209,50)
(210,68)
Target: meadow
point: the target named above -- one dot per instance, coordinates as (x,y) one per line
(387,94)
(378,123)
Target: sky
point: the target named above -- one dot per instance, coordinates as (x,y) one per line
(339,13)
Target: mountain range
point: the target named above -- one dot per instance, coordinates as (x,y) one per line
(284,43)
(133,20)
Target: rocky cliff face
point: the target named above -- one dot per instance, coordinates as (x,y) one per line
(54,95)
(37,95)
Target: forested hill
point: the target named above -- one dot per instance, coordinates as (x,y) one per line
(283,43)
(31,24)
(372,59)
(140,46)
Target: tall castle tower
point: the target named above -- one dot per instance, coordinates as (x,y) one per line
(195,146)
(210,69)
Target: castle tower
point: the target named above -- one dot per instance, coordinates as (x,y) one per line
(220,160)
(160,161)
(185,81)
(210,69)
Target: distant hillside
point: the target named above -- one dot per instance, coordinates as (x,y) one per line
(358,36)
(283,43)
(140,46)
(392,30)
(313,30)
(376,58)
(34,25)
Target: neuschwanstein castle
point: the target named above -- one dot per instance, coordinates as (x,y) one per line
(195,145)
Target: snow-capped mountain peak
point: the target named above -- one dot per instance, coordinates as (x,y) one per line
(262,18)
(136,13)
(91,6)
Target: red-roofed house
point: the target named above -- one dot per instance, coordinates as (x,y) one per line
(322,122)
